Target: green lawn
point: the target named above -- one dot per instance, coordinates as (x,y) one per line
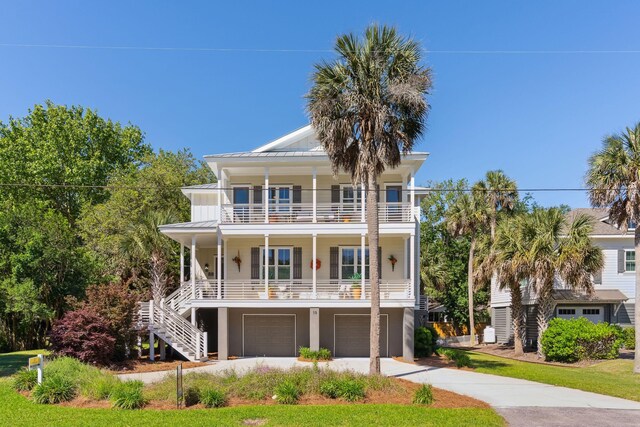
(16,410)
(12,362)
(612,377)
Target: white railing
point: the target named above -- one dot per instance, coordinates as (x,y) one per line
(175,329)
(303,212)
(300,290)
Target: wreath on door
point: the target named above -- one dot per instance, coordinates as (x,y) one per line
(318,264)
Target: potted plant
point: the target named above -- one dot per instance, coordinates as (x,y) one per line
(392,259)
(356,287)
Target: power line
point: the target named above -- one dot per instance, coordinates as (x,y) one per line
(284,50)
(275,186)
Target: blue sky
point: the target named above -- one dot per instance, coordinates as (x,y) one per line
(538,116)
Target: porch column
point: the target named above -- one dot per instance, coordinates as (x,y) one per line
(152,347)
(223,333)
(265,200)
(363,293)
(407,334)
(412,262)
(315,200)
(266,264)
(363,195)
(193,267)
(314,329)
(220,182)
(314,272)
(225,261)
(219,294)
(181,264)
(413,195)
(163,349)
(405,257)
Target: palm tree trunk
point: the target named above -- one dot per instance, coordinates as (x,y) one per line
(372,229)
(545,312)
(636,360)
(472,323)
(518,320)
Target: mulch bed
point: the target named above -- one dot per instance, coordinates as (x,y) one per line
(529,356)
(442,399)
(135,366)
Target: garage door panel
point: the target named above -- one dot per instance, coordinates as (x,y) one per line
(352,335)
(269,335)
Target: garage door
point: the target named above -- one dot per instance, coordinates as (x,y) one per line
(352,335)
(595,314)
(269,335)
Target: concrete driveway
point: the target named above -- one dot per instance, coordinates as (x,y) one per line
(521,402)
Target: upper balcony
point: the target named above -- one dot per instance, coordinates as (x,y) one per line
(308,213)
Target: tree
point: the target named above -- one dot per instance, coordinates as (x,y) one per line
(469,216)
(84,335)
(65,154)
(500,193)
(144,240)
(614,184)
(512,270)
(368,108)
(558,249)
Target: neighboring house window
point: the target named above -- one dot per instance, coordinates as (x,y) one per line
(591,311)
(280,199)
(436,317)
(629,261)
(567,311)
(351,262)
(350,197)
(631,224)
(279,262)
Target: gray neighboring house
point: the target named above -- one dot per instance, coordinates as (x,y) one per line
(613,300)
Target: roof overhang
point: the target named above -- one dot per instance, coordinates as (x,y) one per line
(598,296)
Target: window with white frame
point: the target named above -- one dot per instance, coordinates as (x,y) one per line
(280,199)
(590,311)
(279,264)
(351,262)
(350,197)
(630,261)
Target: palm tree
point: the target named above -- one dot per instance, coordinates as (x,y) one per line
(614,184)
(144,241)
(557,249)
(368,108)
(512,270)
(501,194)
(468,216)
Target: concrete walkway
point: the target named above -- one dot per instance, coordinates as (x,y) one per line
(499,392)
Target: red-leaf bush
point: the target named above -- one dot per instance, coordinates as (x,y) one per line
(84,335)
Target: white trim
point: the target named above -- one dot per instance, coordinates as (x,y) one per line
(287,139)
(358,314)
(275,254)
(295,328)
(357,262)
(275,203)
(357,194)
(635,265)
(393,184)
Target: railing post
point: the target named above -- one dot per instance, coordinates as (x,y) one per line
(150,313)
(314,272)
(197,345)
(181,264)
(205,343)
(162,311)
(193,267)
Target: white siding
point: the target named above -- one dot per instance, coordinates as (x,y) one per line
(611,279)
(204,207)
(499,297)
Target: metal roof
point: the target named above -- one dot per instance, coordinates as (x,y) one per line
(599,295)
(600,226)
(186,225)
(211,186)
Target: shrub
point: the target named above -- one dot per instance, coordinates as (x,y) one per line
(25,380)
(348,389)
(100,388)
(90,381)
(117,305)
(315,355)
(570,340)
(54,389)
(330,389)
(212,398)
(424,395)
(425,341)
(191,396)
(287,393)
(84,335)
(460,358)
(629,338)
(128,395)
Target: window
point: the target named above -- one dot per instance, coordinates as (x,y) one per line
(241,195)
(631,224)
(279,261)
(350,262)
(566,311)
(591,311)
(280,199)
(629,261)
(350,198)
